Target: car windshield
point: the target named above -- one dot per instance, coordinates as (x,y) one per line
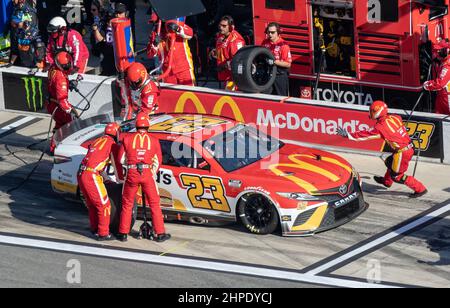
(241,146)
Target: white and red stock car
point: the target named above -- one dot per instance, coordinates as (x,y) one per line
(216,170)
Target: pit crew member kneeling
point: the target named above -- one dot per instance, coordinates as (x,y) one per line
(141,154)
(90,180)
(393,131)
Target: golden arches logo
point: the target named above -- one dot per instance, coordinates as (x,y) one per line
(142,139)
(217,110)
(101,143)
(297,163)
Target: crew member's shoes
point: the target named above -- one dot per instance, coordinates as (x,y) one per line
(418,195)
(380,180)
(105,238)
(162,237)
(122,237)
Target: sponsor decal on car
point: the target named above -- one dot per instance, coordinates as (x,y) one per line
(345,201)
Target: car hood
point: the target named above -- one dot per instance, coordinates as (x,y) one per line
(300,169)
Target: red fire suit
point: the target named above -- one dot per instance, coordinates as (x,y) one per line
(393,131)
(90,180)
(182,69)
(145,99)
(442,86)
(226,48)
(58,101)
(281,52)
(141,148)
(73,43)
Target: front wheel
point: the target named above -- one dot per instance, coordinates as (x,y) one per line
(258,214)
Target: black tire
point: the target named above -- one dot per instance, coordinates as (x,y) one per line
(258,214)
(115,197)
(251,72)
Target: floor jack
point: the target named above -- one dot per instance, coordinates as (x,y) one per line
(146,229)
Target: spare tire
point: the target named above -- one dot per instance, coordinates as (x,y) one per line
(250,69)
(115,197)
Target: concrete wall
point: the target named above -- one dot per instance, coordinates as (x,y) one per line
(101,102)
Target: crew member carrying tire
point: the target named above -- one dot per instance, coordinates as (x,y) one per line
(143,94)
(283,58)
(228,43)
(58,90)
(90,180)
(141,154)
(393,131)
(181,71)
(62,39)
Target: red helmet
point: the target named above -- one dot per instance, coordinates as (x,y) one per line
(378,110)
(441,49)
(136,75)
(112,129)
(142,120)
(64,61)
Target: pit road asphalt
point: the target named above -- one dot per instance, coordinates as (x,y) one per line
(421,257)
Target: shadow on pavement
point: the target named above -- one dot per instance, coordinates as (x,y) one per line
(35,203)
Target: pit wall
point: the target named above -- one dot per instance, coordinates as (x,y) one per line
(290,119)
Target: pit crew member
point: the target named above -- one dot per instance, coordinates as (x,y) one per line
(141,154)
(182,69)
(283,58)
(228,43)
(442,82)
(392,130)
(58,90)
(90,180)
(62,39)
(143,94)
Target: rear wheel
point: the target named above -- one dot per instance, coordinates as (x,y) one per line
(258,214)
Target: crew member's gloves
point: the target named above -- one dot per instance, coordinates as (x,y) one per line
(73,85)
(270,61)
(173,27)
(342,132)
(426,85)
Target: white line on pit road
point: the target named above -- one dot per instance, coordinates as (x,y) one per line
(414,224)
(16,124)
(187,263)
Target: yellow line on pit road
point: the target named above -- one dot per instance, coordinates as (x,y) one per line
(176,248)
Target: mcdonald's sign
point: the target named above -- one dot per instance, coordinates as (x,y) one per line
(218,107)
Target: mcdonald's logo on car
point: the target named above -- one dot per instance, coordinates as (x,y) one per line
(142,139)
(218,107)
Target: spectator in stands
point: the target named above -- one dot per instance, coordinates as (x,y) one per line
(283,59)
(23,13)
(228,43)
(103,37)
(31,49)
(131,8)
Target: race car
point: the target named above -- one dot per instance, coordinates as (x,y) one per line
(217,171)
